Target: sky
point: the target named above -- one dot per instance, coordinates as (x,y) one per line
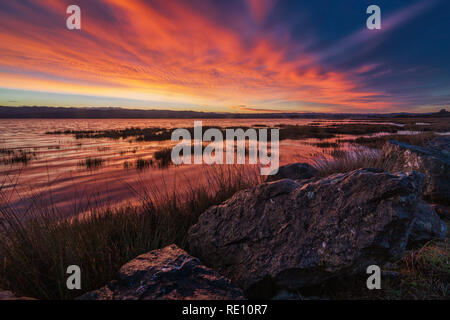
(251,56)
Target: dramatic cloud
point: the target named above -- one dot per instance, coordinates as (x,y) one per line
(205,53)
(260,9)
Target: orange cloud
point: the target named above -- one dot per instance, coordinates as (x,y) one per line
(247,109)
(167,52)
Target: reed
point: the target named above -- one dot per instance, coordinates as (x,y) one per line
(36,250)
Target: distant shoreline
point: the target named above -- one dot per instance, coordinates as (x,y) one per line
(28,112)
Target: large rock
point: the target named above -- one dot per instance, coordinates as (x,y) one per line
(440,144)
(166,274)
(295,171)
(289,235)
(433,160)
(427,225)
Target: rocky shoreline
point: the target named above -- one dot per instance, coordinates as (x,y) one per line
(298,230)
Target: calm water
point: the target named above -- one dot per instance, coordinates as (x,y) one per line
(55,172)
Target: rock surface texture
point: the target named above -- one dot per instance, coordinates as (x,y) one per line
(427,225)
(433,161)
(292,235)
(166,274)
(295,171)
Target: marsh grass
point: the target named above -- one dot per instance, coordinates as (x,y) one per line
(123,152)
(425,272)
(348,160)
(36,250)
(422,274)
(142,164)
(163,157)
(16,156)
(6,151)
(332,130)
(366,152)
(377,142)
(326,144)
(287,131)
(91,163)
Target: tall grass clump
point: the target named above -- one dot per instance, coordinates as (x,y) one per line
(425,272)
(38,245)
(366,152)
(377,142)
(421,274)
(91,163)
(163,157)
(11,156)
(142,164)
(348,160)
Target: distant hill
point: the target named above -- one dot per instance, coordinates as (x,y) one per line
(26,112)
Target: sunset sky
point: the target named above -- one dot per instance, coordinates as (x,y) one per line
(227,56)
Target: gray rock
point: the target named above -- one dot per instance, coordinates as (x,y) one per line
(166,274)
(295,171)
(290,235)
(427,224)
(433,161)
(440,145)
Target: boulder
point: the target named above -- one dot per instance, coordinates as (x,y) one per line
(427,225)
(166,274)
(289,235)
(433,161)
(440,145)
(295,171)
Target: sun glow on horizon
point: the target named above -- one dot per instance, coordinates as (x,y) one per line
(177,54)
